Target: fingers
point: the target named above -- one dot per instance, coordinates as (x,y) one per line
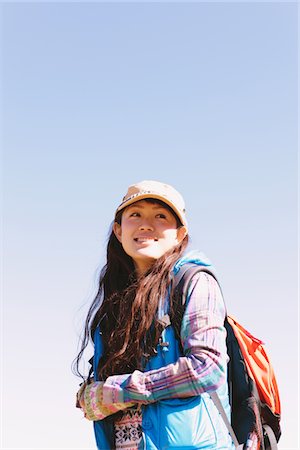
(252,442)
(80,396)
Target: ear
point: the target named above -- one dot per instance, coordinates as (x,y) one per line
(181,233)
(117,229)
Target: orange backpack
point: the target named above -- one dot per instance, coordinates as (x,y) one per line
(258,366)
(250,365)
(253,390)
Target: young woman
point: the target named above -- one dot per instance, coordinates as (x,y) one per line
(160,387)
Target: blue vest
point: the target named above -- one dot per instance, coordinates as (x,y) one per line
(181,423)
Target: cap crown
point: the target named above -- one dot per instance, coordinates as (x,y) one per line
(156,190)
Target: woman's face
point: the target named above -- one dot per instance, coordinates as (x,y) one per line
(147,231)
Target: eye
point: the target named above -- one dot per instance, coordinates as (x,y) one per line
(161,216)
(135,214)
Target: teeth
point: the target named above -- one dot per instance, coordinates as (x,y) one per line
(145,239)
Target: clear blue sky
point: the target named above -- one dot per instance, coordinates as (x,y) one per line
(96,96)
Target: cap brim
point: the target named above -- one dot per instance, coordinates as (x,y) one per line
(156,197)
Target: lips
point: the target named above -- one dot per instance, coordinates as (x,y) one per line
(143,239)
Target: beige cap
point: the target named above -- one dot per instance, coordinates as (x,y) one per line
(156,190)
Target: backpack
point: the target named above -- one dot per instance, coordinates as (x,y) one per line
(252,386)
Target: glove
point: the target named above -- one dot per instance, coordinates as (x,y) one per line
(90,399)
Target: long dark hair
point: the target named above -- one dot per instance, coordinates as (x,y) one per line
(126,305)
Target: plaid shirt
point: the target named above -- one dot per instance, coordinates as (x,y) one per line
(203,366)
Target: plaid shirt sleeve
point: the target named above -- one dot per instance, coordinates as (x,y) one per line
(201,369)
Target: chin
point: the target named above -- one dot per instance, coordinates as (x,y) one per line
(146,258)
(149,255)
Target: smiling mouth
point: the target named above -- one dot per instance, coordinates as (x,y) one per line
(145,239)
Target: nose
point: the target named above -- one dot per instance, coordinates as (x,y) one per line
(146,225)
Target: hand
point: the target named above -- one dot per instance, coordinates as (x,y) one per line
(252,442)
(90,399)
(80,396)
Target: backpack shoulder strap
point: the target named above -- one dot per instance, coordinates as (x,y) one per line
(179,293)
(184,276)
(182,283)
(215,398)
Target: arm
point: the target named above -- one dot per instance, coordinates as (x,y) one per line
(201,368)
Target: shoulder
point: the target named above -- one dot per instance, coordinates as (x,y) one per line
(204,281)
(205,293)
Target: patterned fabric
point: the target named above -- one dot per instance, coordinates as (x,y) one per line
(200,370)
(128,430)
(93,403)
